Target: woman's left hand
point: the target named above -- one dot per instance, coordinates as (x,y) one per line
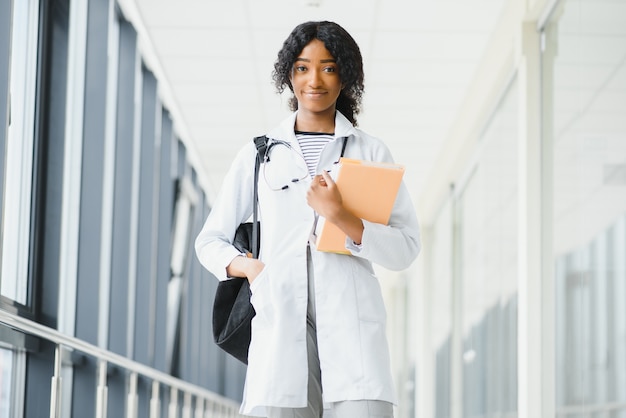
(324,197)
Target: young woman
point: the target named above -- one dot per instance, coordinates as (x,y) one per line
(318,337)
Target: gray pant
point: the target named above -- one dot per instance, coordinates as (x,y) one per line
(315,408)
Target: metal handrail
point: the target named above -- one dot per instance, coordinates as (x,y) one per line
(33,328)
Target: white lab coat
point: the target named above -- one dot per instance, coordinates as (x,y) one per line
(353,350)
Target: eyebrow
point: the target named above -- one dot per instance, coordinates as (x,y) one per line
(322,61)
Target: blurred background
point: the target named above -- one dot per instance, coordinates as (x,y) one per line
(119,119)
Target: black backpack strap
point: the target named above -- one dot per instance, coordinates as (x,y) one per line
(261,145)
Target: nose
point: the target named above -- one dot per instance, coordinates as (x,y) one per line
(315,79)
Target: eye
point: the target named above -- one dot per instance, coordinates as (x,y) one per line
(300,68)
(330,69)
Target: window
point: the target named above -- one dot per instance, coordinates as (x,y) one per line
(19,152)
(584,74)
(186,200)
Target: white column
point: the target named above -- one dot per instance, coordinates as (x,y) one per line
(548,282)
(425,359)
(456,345)
(536,297)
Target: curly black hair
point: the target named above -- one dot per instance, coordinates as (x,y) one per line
(341,46)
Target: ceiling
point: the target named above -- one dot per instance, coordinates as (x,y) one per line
(214,60)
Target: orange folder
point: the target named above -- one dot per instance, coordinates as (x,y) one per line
(368,190)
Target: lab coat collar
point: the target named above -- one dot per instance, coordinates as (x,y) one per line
(285,131)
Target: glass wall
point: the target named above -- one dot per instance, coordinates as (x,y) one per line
(19,152)
(584,74)
(99,206)
(488,268)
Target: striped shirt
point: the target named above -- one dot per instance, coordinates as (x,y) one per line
(311,144)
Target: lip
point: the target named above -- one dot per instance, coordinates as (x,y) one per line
(314,94)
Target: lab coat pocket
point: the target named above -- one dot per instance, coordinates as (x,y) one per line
(260,297)
(255,283)
(370,299)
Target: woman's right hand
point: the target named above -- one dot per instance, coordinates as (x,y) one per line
(253,268)
(246,267)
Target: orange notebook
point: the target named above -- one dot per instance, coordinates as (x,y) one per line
(368,190)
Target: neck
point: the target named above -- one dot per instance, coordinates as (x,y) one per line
(309,122)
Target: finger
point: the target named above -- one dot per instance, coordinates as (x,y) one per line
(318,180)
(327,178)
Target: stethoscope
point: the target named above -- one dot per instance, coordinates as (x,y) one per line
(266,159)
(272,143)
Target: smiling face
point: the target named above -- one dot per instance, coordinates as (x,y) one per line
(316,83)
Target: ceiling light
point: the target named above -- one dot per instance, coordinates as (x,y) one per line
(312,3)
